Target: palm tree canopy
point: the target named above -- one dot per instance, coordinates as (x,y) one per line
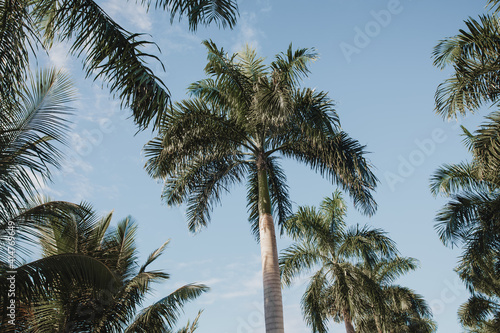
(110,53)
(102,305)
(341,256)
(471,219)
(473,53)
(244,118)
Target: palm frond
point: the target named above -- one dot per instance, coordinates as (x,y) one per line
(474,56)
(477,309)
(191,327)
(200,12)
(296,259)
(162,315)
(341,159)
(109,53)
(26,132)
(18,39)
(449,179)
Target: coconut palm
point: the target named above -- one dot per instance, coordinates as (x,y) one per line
(340,288)
(239,123)
(403,310)
(110,53)
(78,308)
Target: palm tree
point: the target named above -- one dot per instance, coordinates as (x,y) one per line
(32,119)
(403,310)
(109,52)
(32,123)
(471,219)
(474,54)
(78,308)
(339,290)
(234,128)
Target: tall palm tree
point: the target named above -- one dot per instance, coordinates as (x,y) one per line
(78,308)
(109,51)
(238,124)
(339,289)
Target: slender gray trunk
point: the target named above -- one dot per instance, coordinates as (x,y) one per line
(273,304)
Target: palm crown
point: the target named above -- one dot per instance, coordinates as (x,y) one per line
(338,290)
(111,302)
(353,270)
(237,123)
(471,219)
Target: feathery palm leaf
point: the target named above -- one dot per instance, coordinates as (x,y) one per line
(27,128)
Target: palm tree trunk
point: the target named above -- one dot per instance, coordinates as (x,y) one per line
(348,322)
(273,304)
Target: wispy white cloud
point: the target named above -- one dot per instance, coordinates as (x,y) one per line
(132,12)
(265,6)
(59,56)
(248,285)
(248,33)
(176,38)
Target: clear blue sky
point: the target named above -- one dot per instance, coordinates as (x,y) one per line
(375,62)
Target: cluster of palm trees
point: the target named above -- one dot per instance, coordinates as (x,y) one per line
(87,278)
(237,126)
(471,219)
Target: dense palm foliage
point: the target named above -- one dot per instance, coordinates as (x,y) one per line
(82,264)
(471,220)
(110,53)
(238,124)
(403,309)
(32,122)
(471,217)
(354,268)
(474,55)
(70,306)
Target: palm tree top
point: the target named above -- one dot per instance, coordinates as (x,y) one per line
(245,117)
